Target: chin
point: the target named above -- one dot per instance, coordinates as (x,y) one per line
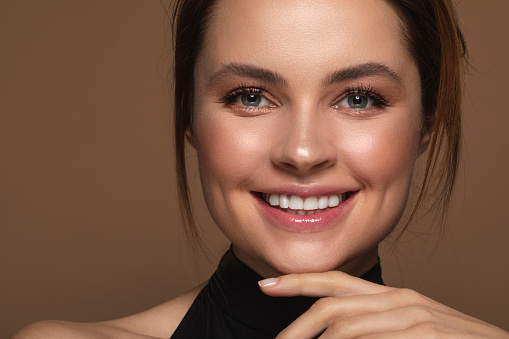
(319,257)
(305,268)
(304,260)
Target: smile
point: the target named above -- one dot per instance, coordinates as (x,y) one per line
(294,204)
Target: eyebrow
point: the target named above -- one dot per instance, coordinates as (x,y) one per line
(350,73)
(361,71)
(249,71)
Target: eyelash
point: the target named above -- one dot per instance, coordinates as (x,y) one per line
(232,96)
(367,91)
(378,100)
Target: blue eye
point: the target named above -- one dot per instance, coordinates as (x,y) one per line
(356,101)
(252,100)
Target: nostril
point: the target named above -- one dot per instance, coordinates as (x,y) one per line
(288,165)
(304,163)
(324,164)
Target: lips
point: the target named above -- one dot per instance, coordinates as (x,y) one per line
(306,213)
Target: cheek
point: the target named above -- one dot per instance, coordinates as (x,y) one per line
(229,152)
(383,153)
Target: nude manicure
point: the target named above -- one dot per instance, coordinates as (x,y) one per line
(268,282)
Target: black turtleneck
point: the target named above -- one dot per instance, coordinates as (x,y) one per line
(232,305)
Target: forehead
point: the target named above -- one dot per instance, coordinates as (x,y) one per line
(305,35)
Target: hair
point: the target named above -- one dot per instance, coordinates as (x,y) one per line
(433,38)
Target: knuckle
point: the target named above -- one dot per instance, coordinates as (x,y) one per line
(339,326)
(335,283)
(421,313)
(322,305)
(335,275)
(410,295)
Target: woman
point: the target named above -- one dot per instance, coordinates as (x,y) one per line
(308,118)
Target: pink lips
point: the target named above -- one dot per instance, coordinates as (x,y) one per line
(305,223)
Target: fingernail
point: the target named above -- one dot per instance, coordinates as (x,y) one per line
(268,282)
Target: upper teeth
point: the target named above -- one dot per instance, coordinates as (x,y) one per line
(295,202)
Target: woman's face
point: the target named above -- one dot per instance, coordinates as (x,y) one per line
(307,124)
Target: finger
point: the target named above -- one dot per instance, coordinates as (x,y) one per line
(328,284)
(410,320)
(414,306)
(430,330)
(323,312)
(316,320)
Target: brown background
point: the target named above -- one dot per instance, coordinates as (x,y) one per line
(89,224)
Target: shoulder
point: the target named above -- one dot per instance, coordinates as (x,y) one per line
(158,322)
(63,329)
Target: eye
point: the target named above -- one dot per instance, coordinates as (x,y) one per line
(252,100)
(361,97)
(355,101)
(249,98)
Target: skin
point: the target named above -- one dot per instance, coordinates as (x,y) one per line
(304,135)
(306,138)
(298,139)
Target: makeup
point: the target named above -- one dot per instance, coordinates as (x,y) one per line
(294,218)
(285,115)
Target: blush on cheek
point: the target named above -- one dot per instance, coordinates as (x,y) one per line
(381,155)
(229,151)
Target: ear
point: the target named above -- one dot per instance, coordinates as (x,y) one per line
(427,130)
(190,137)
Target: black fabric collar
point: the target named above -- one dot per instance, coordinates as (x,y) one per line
(234,287)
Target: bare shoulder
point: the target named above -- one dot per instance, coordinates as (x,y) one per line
(64,329)
(158,322)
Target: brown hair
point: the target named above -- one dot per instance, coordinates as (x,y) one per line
(188,26)
(434,40)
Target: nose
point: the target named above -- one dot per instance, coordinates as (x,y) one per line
(305,145)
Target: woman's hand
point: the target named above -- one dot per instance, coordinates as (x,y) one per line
(351,308)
